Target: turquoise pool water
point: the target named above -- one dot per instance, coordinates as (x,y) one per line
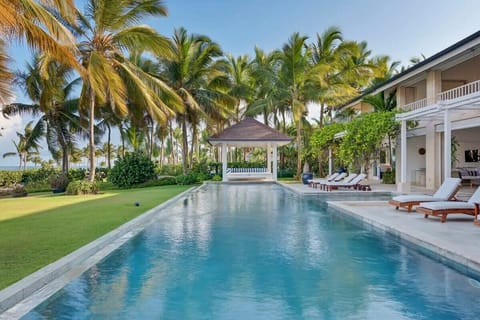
(260,252)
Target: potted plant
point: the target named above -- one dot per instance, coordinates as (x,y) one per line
(58,182)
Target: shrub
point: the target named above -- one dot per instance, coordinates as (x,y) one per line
(285,173)
(59,181)
(10,178)
(216,178)
(388,177)
(101,174)
(162,181)
(77,174)
(186,179)
(132,169)
(169,170)
(39,186)
(82,187)
(41,175)
(202,176)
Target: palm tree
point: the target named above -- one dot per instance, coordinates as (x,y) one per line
(340,69)
(200,82)
(241,85)
(28,144)
(264,71)
(293,76)
(37,23)
(48,84)
(109,30)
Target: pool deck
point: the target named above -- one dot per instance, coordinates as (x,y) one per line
(455,242)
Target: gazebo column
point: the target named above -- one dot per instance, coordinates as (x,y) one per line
(224,162)
(275,164)
(269,158)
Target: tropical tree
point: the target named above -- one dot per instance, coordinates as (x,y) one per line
(364,136)
(28,144)
(50,86)
(199,80)
(264,73)
(110,30)
(37,23)
(241,85)
(293,80)
(340,70)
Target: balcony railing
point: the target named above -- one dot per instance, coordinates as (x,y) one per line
(415,105)
(460,92)
(247,170)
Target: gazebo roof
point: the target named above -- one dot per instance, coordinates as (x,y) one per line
(249,132)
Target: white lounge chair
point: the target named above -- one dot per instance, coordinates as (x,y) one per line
(341,177)
(315,182)
(446,192)
(443,208)
(350,183)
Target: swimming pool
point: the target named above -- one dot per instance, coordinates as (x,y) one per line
(260,252)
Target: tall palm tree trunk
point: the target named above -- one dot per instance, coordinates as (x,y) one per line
(299,148)
(91,138)
(194,143)
(162,151)
(322,110)
(171,141)
(109,151)
(63,145)
(184,145)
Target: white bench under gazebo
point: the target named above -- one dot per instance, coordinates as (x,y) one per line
(250,133)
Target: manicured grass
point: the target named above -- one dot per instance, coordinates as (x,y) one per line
(39,229)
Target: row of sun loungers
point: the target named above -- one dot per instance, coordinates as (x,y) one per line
(441,203)
(340,180)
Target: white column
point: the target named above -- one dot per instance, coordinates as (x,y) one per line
(330,161)
(403,185)
(224,161)
(275,165)
(447,140)
(431,157)
(269,158)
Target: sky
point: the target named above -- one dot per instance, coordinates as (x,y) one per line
(400,29)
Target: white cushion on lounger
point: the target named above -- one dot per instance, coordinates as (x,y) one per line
(416,197)
(440,205)
(447,188)
(444,193)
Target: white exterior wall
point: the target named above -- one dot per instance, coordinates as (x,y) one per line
(415,161)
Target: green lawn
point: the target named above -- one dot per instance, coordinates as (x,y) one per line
(39,229)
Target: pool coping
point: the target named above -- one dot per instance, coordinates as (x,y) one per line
(19,298)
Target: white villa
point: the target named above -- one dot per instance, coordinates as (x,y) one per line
(442,96)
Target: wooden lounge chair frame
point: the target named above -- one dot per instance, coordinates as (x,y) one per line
(410,204)
(444,212)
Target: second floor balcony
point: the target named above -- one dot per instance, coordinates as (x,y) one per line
(465,94)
